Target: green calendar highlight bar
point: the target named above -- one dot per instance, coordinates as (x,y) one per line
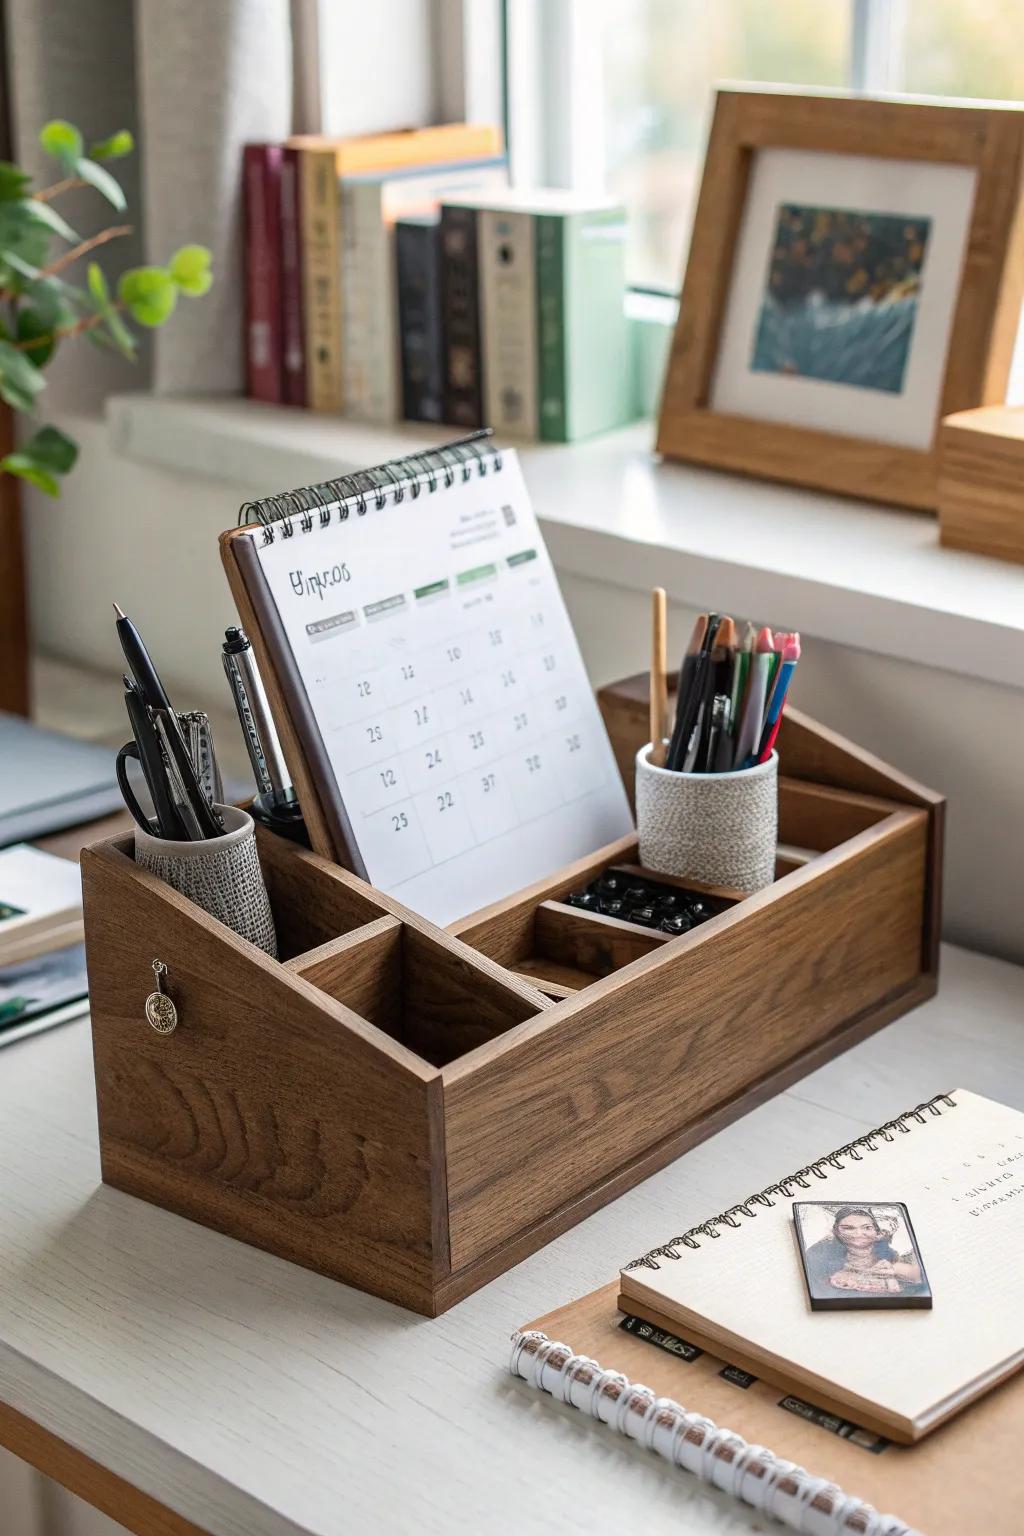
(478,573)
(431,590)
(523,558)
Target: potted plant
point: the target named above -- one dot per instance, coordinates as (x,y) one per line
(53,291)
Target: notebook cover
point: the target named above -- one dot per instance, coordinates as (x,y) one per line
(959,1479)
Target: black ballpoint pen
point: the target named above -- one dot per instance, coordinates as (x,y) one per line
(169,733)
(139,663)
(151,758)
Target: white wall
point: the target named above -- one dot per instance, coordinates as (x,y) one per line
(148,539)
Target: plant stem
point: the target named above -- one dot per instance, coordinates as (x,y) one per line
(67,330)
(80,250)
(47,194)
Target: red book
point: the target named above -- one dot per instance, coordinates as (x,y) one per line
(293,360)
(263,309)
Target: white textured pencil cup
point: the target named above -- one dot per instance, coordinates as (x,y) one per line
(718,828)
(220,874)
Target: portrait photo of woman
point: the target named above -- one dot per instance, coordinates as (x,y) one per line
(859,1255)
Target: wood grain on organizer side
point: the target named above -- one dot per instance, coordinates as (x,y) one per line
(311,904)
(589,941)
(363,970)
(455,1001)
(504,930)
(273,1113)
(981,482)
(88,1480)
(464,1281)
(811,816)
(802,957)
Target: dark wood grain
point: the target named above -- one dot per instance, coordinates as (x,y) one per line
(273,1112)
(395,1107)
(588,941)
(363,970)
(697,1021)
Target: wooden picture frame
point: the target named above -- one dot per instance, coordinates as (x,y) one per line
(985,318)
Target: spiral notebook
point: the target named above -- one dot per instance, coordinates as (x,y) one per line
(424,675)
(735,1283)
(711,1411)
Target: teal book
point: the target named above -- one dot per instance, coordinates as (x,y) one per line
(563,322)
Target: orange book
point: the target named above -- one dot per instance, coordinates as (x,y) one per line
(322,161)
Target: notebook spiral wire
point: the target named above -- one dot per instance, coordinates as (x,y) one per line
(819,1169)
(289,512)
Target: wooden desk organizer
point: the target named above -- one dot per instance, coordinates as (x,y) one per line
(413,1110)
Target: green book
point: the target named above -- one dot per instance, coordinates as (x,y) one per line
(554,335)
(585,380)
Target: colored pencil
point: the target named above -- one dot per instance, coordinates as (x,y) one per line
(777,703)
(749,733)
(659,677)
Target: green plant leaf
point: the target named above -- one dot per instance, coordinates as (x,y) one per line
(52,301)
(149,293)
(62,140)
(27,469)
(44,213)
(20,379)
(190,269)
(22,236)
(102,180)
(25,269)
(119,333)
(97,284)
(53,449)
(13,181)
(46,307)
(115,148)
(31,328)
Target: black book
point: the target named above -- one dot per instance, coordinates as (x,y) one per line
(460,304)
(421,337)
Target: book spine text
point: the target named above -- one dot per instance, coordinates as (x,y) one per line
(321,277)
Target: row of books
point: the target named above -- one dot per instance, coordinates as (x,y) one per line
(398,276)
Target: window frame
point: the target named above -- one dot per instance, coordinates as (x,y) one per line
(553,65)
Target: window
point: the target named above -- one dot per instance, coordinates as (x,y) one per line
(616,94)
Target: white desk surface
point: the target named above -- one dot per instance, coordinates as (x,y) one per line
(257,1399)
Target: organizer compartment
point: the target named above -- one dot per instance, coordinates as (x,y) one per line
(403,1108)
(435,996)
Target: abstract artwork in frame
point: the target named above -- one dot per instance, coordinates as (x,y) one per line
(855,273)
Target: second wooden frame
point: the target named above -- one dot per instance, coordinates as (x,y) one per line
(984,326)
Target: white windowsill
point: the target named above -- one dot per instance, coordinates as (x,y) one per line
(869,577)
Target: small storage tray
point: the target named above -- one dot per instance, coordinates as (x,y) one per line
(413,1110)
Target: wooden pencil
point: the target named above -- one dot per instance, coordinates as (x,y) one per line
(659,677)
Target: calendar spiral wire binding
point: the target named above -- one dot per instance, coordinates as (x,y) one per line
(818,1169)
(314,505)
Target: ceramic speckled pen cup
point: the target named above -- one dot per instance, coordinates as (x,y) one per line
(718,828)
(220,874)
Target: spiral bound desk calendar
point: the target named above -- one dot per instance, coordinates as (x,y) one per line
(438,721)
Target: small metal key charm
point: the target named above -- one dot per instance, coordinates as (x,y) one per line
(160,1010)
